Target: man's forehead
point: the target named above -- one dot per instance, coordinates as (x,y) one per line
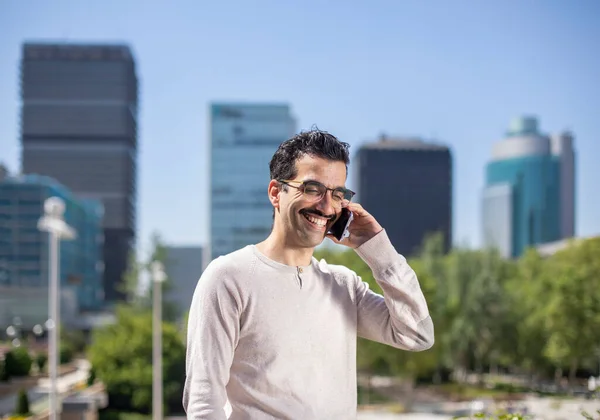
(330,176)
(317,165)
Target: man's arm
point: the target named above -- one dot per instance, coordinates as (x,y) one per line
(400,317)
(213,333)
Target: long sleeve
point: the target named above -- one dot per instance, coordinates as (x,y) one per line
(399,318)
(213,333)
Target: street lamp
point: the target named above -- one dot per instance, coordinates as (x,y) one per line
(14,336)
(53,223)
(157,272)
(14,331)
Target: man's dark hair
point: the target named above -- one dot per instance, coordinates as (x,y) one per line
(314,143)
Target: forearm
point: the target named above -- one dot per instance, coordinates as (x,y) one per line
(401,317)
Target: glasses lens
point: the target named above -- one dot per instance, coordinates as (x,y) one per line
(339,194)
(314,189)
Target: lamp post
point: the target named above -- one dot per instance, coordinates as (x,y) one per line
(157,272)
(14,332)
(53,223)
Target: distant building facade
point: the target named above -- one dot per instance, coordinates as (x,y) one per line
(79,126)
(183,265)
(406,184)
(244,138)
(24,248)
(529,197)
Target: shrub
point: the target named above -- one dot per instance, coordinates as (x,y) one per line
(92,378)
(4,376)
(66,353)
(17,362)
(40,361)
(22,407)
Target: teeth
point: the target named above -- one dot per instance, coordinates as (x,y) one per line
(318,222)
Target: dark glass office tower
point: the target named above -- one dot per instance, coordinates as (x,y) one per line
(79,126)
(406,184)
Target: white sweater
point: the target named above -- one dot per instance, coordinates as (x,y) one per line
(279,342)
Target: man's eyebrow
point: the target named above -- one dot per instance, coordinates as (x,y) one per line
(333,188)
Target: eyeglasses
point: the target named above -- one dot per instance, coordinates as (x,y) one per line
(315,191)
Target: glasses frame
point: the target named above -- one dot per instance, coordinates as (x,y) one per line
(302,184)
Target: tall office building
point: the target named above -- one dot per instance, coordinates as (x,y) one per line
(243,140)
(183,266)
(24,249)
(406,184)
(529,198)
(79,126)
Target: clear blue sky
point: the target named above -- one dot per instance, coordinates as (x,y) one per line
(456,70)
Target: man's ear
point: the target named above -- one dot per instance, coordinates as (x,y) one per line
(274,191)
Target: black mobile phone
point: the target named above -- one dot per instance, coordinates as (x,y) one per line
(341,224)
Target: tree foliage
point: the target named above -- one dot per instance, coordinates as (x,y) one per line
(138,293)
(533,315)
(121,356)
(17,362)
(22,407)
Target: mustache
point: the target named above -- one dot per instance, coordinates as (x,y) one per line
(319,213)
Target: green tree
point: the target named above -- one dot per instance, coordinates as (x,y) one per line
(4,376)
(478,307)
(528,295)
(22,407)
(40,360)
(66,353)
(430,267)
(92,377)
(18,362)
(138,294)
(74,339)
(130,283)
(572,312)
(122,358)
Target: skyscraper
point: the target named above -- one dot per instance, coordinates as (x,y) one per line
(530,189)
(24,248)
(406,184)
(183,265)
(79,126)
(244,137)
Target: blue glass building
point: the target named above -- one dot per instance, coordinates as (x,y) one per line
(24,249)
(526,199)
(244,138)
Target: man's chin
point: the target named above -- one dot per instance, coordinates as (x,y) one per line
(313,240)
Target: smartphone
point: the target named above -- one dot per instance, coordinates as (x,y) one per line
(340,228)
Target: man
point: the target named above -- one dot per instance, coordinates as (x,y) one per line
(272,330)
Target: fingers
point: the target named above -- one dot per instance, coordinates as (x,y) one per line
(357,209)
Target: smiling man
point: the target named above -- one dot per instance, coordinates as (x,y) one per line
(272,330)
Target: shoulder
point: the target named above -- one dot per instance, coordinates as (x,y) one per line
(227,270)
(340,273)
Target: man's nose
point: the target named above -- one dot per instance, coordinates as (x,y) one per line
(326,205)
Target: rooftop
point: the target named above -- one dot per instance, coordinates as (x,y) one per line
(404,143)
(76,51)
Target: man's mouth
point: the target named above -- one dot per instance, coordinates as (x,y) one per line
(316,220)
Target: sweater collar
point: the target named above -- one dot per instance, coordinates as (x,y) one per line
(280,266)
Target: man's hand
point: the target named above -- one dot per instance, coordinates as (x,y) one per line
(363,227)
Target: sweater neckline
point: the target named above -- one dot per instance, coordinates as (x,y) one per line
(281,266)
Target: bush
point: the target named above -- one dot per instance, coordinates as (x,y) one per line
(4,376)
(66,353)
(40,361)
(92,378)
(22,407)
(18,362)
(75,340)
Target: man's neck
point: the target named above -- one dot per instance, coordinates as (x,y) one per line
(278,249)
